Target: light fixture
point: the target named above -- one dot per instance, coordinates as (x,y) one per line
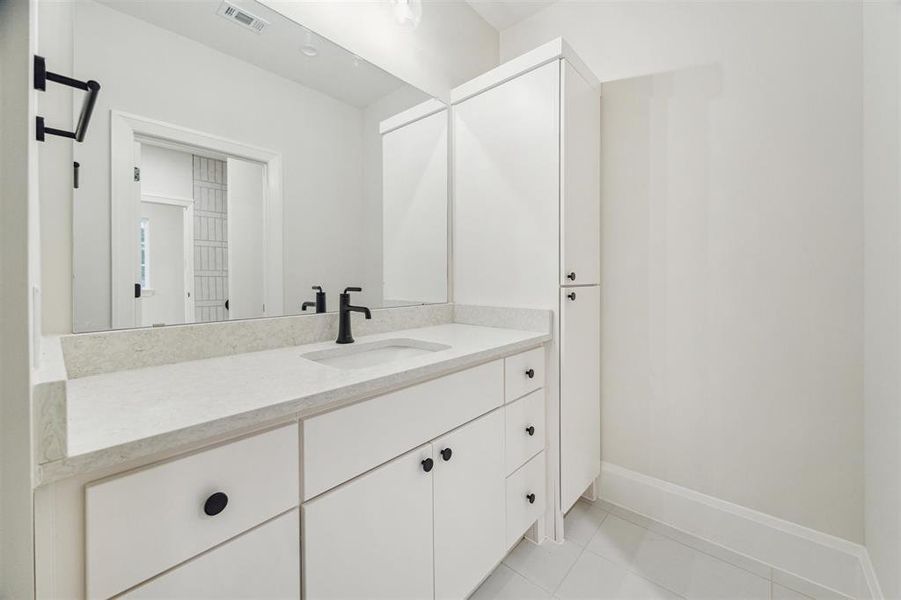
(309,48)
(407,13)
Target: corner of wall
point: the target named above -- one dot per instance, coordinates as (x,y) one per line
(17,271)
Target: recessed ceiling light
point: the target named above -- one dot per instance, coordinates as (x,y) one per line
(407,13)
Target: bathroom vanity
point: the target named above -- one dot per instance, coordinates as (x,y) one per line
(412,460)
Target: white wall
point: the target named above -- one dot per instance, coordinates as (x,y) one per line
(732,246)
(451,45)
(160,75)
(18,270)
(55,160)
(166,172)
(882,291)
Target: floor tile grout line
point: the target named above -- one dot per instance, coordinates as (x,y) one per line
(568,571)
(627,569)
(638,574)
(523,575)
(581,552)
(641,575)
(553,593)
(767,567)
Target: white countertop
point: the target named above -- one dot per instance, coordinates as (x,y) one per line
(116,417)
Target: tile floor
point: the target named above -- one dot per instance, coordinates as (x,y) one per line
(617,556)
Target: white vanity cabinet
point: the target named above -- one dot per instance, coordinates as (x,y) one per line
(432,519)
(435,521)
(469,505)
(416,493)
(262,564)
(142,523)
(527,233)
(372,537)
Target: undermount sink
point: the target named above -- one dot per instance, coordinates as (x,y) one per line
(369,354)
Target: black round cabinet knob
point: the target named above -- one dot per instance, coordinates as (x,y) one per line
(571,276)
(530,373)
(427,465)
(446,454)
(571,296)
(530,498)
(530,430)
(215,504)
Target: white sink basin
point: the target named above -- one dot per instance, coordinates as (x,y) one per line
(369,354)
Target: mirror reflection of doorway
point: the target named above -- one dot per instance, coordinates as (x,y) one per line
(163,265)
(194,264)
(165,236)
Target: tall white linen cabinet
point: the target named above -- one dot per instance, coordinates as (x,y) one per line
(527,233)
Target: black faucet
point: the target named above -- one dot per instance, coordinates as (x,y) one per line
(320,301)
(344,310)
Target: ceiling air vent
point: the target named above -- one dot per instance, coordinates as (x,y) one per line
(241,17)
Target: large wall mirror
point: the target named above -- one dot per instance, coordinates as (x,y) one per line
(236,160)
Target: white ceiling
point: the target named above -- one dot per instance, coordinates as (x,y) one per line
(335,71)
(502,14)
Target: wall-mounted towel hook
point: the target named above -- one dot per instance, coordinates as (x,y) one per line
(41,77)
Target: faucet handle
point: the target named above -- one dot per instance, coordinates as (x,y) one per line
(353,289)
(318,288)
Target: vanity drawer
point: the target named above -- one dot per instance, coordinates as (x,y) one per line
(263,564)
(140,524)
(525,434)
(523,373)
(342,444)
(530,479)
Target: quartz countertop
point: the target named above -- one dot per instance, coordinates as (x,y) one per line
(120,416)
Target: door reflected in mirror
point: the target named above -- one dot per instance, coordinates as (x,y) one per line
(234,164)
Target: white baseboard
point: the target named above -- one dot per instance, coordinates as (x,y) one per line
(834,563)
(869,574)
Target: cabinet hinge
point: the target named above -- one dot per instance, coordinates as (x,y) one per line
(137,173)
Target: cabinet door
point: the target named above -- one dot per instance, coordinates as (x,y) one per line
(372,536)
(580,227)
(469,505)
(263,563)
(506,190)
(580,404)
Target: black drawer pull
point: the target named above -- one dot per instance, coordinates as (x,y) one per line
(530,430)
(446,454)
(571,276)
(571,296)
(215,504)
(530,498)
(530,373)
(427,465)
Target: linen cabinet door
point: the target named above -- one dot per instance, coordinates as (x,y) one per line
(372,536)
(506,190)
(469,505)
(580,211)
(580,391)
